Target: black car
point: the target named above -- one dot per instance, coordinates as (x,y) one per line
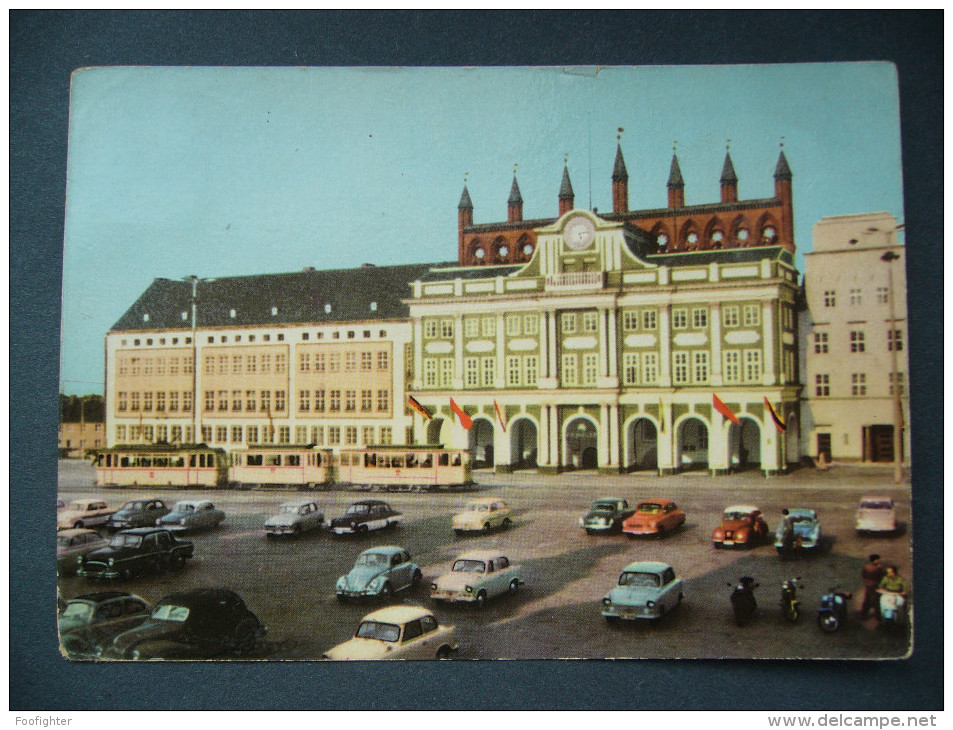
(606,515)
(90,622)
(368,514)
(138,513)
(192,624)
(133,552)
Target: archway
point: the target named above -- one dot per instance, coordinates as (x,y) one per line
(438,432)
(480,443)
(582,443)
(524,444)
(642,445)
(744,445)
(692,444)
(792,440)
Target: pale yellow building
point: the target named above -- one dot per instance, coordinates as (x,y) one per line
(75,438)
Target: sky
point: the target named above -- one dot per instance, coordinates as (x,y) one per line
(218,172)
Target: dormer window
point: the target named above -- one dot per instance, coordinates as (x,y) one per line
(274,311)
(769,234)
(145,318)
(232,313)
(327,309)
(373,306)
(185,316)
(528,249)
(479,254)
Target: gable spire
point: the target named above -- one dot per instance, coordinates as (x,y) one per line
(729,180)
(676,184)
(566,195)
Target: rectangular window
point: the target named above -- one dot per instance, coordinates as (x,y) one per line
(649,319)
(858,384)
(162,433)
(513,371)
(367,397)
(206,434)
(304,362)
(135,365)
(630,320)
(630,368)
(134,401)
(148,433)
(173,366)
(700,367)
(430,328)
(209,400)
(208,366)
(187,365)
(752,315)
(251,401)
(899,383)
(122,365)
(568,322)
(488,370)
(301,435)
(335,400)
(649,368)
(350,400)
(488,326)
(334,362)
(857,341)
(513,322)
(350,435)
(383,361)
(882,295)
(820,343)
(531,324)
(160,402)
(855,297)
(570,376)
(221,434)
(367,435)
(251,363)
(334,435)
(830,298)
(281,362)
(237,434)
(176,435)
(284,434)
(120,434)
(320,362)
(222,364)
(367,361)
(699,319)
(752,366)
(531,369)
(319,401)
(590,368)
(266,363)
(446,329)
(471,326)
(236,364)
(590,322)
(894,340)
(264,404)
(386,435)
(121,397)
(236,400)
(187,401)
(317,435)
(446,372)
(160,370)
(304,400)
(147,366)
(471,372)
(430,372)
(680,367)
(223,400)
(679,319)
(173,400)
(731,366)
(189,432)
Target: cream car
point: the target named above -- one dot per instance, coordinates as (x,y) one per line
(483,515)
(84,513)
(397,632)
(476,577)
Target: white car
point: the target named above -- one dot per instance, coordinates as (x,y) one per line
(84,513)
(295,517)
(476,577)
(876,514)
(398,632)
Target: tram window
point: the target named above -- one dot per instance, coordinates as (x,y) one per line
(145,461)
(294,459)
(456,460)
(161,461)
(192,460)
(411,461)
(178,462)
(273,460)
(444,459)
(397,462)
(384,462)
(255,460)
(428,461)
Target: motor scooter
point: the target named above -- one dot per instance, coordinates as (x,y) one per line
(790,606)
(743,602)
(832,612)
(892,608)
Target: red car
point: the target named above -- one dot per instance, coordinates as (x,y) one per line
(741,524)
(654,517)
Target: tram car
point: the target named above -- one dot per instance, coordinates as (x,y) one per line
(397,468)
(268,465)
(160,464)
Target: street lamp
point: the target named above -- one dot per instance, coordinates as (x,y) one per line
(889,257)
(196,423)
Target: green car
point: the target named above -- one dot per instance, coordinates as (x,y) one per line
(606,516)
(379,572)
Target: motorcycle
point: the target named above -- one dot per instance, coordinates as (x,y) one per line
(892,608)
(832,612)
(790,606)
(743,602)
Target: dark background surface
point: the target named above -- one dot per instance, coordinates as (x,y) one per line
(45,47)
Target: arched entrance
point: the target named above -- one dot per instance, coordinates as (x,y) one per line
(642,445)
(438,432)
(692,445)
(744,445)
(582,444)
(480,443)
(792,440)
(523,444)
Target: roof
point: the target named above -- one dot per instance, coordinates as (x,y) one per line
(157,448)
(397,614)
(657,500)
(609,499)
(193,502)
(369,501)
(801,512)
(515,197)
(309,296)
(480,555)
(196,596)
(565,188)
(468,272)
(143,530)
(385,550)
(296,502)
(722,256)
(74,531)
(646,566)
(104,596)
(675,179)
(742,508)
(485,500)
(782,171)
(465,202)
(728,171)
(618,170)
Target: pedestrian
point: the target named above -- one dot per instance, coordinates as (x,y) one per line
(787,531)
(871,575)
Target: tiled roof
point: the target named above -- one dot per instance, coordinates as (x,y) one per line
(298,297)
(468,272)
(722,256)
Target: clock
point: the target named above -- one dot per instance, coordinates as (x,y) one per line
(579,233)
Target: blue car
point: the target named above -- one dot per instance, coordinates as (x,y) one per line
(646,590)
(379,572)
(807,531)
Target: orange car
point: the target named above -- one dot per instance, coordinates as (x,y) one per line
(654,517)
(741,524)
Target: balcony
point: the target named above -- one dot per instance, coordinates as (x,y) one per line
(576,281)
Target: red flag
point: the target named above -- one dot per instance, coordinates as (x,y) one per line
(782,426)
(465,420)
(724,410)
(499,415)
(414,403)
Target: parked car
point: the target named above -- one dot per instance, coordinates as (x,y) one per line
(876,514)
(741,524)
(654,517)
(192,624)
(606,515)
(60,504)
(476,577)
(72,543)
(398,632)
(807,530)
(295,517)
(368,514)
(138,513)
(482,514)
(192,514)
(380,571)
(646,590)
(84,513)
(89,623)
(133,552)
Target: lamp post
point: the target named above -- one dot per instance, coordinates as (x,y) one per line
(889,257)
(196,423)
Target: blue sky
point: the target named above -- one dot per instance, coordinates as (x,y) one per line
(231,171)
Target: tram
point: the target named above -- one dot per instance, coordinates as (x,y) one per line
(160,464)
(267,465)
(398,468)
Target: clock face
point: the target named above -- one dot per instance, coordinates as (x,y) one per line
(579,233)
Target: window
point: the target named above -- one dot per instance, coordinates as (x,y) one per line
(134,401)
(147,366)
(630,320)
(334,435)
(446,372)
(122,366)
(513,371)
(208,366)
(206,434)
(513,322)
(820,343)
(531,324)
(590,368)
(367,396)
(221,434)
(252,434)
(680,367)
(630,368)
(173,366)
(304,400)
(679,319)
(173,400)
(121,397)
(367,361)
(430,372)
(383,360)
(209,400)
(251,363)
(350,362)
(350,400)
(284,434)
(301,434)
(319,401)
(731,366)
(236,364)
(894,340)
(251,400)
(752,366)
(471,372)
(649,368)
(570,376)
(386,435)
(882,295)
(899,383)
(590,322)
(237,434)
(752,315)
(699,319)
(236,400)
(222,364)
(488,370)
(568,322)
(649,319)
(367,435)
(335,400)
(830,298)
(700,367)
(187,401)
(160,365)
(858,384)
(855,297)
(857,341)
(488,326)
(350,435)
(281,361)
(531,369)
(446,328)
(334,362)
(317,435)
(430,328)
(265,401)
(266,363)
(176,434)
(319,362)
(223,400)
(471,327)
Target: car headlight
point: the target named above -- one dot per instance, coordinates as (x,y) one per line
(604,521)
(433,586)
(111,562)
(79,559)
(607,601)
(469,589)
(182,522)
(376,583)
(650,604)
(582,522)
(342,583)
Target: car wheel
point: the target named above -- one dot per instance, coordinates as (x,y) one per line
(270,535)
(295,530)
(507,523)
(661,531)
(125,573)
(612,620)
(362,529)
(387,593)
(486,526)
(718,545)
(514,585)
(481,599)
(418,577)
(177,561)
(75,647)
(341,598)
(679,601)
(443,652)
(78,523)
(244,642)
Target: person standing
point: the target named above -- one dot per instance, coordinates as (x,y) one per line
(871,575)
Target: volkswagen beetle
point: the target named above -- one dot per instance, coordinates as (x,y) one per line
(741,524)
(379,572)
(90,622)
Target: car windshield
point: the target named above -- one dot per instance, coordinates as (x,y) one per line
(737,516)
(122,540)
(374,559)
(640,580)
(377,630)
(63,541)
(77,506)
(184,507)
(469,566)
(357,509)
(798,519)
(78,609)
(603,507)
(134,506)
(171,612)
(478,508)
(649,508)
(288,509)
(878,504)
